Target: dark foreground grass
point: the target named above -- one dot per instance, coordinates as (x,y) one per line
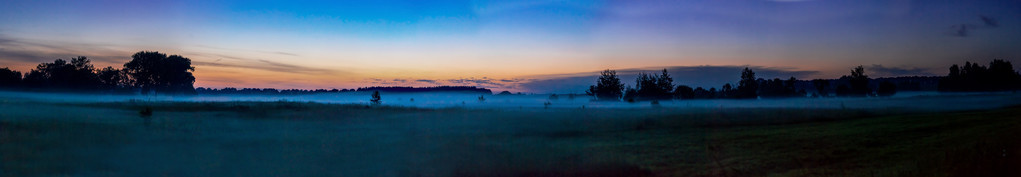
(973,143)
(312,139)
(53,148)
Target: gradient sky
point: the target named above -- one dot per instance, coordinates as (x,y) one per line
(503,44)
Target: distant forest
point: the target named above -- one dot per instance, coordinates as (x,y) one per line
(999,76)
(152,72)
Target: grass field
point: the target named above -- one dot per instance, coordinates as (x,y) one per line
(313,139)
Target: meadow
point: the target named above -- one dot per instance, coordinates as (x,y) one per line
(41,137)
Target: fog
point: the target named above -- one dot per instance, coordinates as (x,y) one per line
(520,138)
(903,100)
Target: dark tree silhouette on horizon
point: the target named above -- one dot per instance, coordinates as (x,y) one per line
(608,87)
(156,72)
(748,86)
(112,78)
(859,82)
(972,77)
(777,88)
(9,78)
(78,74)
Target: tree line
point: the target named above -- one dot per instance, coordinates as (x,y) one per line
(146,72)
(972,77)
(999,76)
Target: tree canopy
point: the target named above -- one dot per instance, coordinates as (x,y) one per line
(748,86)
(156,72)
(608,87)
(972,77)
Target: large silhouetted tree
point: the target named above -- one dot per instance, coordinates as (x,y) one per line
(156,72)
(608,87)
(75,75)
(748,86)
(9,78)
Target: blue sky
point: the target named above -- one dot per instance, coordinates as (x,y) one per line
(507,44)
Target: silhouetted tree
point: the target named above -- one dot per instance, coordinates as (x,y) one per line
(630,94)
(748,86)
(1000,76)
(665,84)
(9,78)
(154,71)
(886,89)
(684,92)
(859,82)
(652,87)
(75,75)
(112,78)
(608,87)
(727,91)
(778,88)
(376,99)
(820,86)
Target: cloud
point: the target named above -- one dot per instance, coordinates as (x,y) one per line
(257,64)
(286,53)
(247,50)
(24,52)
(989,21)
(266,65)
(426,81)
(884,71)
(483,82)
(966,29)
(694,76)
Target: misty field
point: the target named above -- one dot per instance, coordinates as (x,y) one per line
(286,138)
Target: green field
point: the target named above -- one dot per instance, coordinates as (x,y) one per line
(312,139)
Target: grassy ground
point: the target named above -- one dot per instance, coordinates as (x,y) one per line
(310,139)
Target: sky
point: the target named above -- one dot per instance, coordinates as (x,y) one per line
(521,46)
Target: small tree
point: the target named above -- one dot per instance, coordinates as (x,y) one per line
(608,87)
(666,85)
(859,82)
(376,99)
